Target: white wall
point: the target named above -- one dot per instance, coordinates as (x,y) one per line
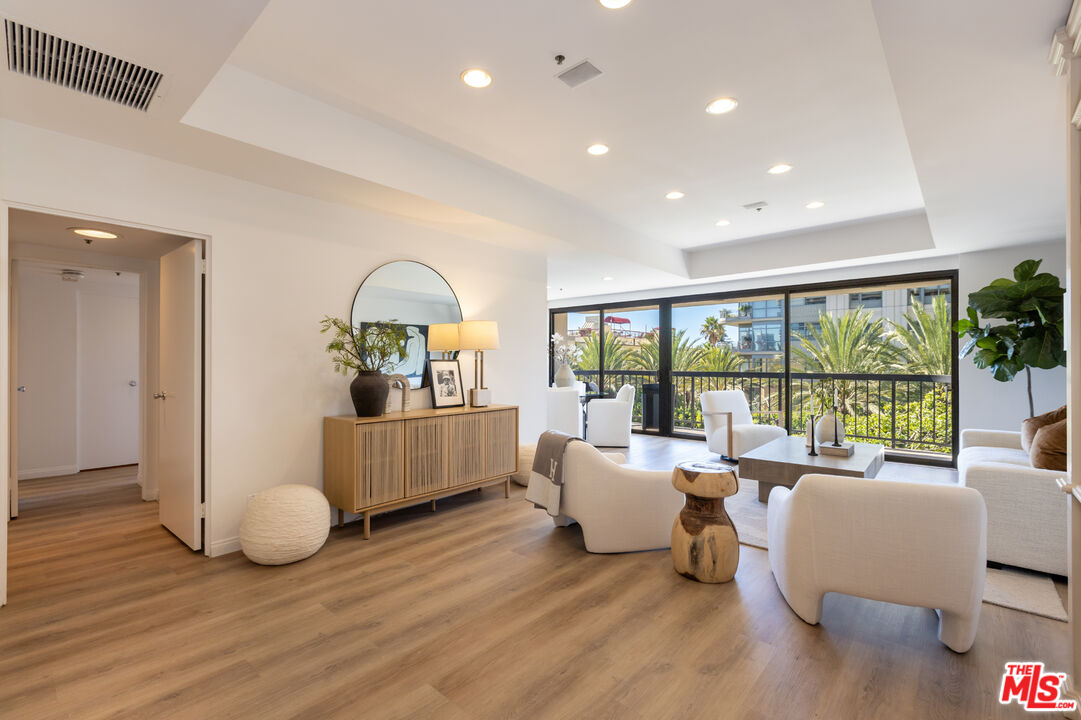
(108,360)
(986,403)
(279,262)
(47,351)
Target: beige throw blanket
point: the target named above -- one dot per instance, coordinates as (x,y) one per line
(544,491)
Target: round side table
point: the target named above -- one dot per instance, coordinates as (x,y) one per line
(705,546)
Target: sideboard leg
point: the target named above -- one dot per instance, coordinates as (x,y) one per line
(433,505)
(341,517)
(367,525)
(506,487)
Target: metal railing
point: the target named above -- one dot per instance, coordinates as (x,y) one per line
(903,412)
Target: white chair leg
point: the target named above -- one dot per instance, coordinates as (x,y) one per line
(957,631)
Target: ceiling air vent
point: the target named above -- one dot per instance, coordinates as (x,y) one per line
(71,65)
(579,74)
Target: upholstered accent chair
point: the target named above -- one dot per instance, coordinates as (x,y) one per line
(565,409)
(910,543)
(730,429)
(608,421)
(1026,511)
(620,508)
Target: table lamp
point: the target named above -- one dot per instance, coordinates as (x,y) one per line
(479,335)
(443,337)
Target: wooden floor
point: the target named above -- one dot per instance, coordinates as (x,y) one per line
(481,610)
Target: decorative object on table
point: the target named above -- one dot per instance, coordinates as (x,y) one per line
(1032,306)
(882,541)
(563,352)
(368,353)
(705,545)
(443,338)
(446,386)
(811,432)
(284,524)
(479,335)
(399,381)
(730,427)
(844,449)
(418,297)
(829,428)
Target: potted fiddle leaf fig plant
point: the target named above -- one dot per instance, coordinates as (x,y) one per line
(369,351)
(1032,306)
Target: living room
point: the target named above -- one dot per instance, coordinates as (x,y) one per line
(689,197)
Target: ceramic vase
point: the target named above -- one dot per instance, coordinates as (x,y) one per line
(828,427)
(369,391)
(564,376)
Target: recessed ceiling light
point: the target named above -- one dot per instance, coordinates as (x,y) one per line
(814,205)
(97,234)
(721,105)
(673,195)
(476,78)
(597,149)
(608,278)
(614,4)
(723,223)
(780,169)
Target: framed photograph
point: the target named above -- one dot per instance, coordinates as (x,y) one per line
(446,376)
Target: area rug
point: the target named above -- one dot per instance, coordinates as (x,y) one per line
(1029,592)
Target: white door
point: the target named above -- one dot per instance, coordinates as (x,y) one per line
(179,394)
(108,375)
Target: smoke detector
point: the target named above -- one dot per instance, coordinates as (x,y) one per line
(756,206)
(72,275)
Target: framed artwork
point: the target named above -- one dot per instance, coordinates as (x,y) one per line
(446,384)
(416,353)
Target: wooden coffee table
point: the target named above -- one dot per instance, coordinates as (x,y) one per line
(785,460)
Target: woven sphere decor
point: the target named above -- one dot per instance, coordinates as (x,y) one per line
(284,524)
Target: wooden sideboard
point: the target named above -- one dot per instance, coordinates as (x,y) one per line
(372,465)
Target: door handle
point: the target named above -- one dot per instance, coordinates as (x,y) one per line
(160,395)
(21,388)
(132,383)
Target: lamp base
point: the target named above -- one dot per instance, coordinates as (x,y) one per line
(480,397)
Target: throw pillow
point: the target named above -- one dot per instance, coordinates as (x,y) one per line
(1030,426)
(1049,447)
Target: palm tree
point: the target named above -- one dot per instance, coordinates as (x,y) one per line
(924,342)
(713,331)
(853,343)
(615,353)
(721,358)
(686,354)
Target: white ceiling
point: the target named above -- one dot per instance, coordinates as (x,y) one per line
(54,231)
(943,120)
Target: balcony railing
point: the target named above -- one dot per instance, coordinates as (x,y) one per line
(907,413)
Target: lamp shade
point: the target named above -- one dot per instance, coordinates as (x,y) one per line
(443,337)
(478,335)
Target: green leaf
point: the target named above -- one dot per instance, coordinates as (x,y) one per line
(1026,270)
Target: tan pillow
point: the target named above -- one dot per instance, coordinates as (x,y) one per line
(1049,447)
(1030,426)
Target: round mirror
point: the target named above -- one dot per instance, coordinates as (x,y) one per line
(413,295)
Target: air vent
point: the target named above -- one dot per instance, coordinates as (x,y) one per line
(579,74)
(756,206)
(71,65)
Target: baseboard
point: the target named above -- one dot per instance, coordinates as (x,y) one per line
(48,472)
(224,547)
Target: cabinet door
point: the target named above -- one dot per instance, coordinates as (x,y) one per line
(425,455)
(500,443)
(380,462)
(465,436)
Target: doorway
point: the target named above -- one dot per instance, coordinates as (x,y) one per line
(100,322)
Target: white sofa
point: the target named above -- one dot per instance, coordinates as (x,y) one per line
(620,508)
(730,429)
(565,409)
(608,420)
(915,544)
(1026,511)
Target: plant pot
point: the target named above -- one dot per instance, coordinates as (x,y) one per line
(564,376)
(369,391)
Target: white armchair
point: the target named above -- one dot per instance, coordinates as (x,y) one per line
(620,508)
(608,421)
(908,543)
(565,409)
(1026,511)
(730,429)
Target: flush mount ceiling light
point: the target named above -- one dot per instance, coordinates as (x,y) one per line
(72,275)
(614,4)
(96,234)
(597,149)
(723,223)
(815,204)
(721,105)
(779,169)
(673,195)
(476,78)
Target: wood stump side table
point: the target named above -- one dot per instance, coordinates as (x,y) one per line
(705,546)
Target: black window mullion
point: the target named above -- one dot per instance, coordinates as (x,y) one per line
(664,369)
